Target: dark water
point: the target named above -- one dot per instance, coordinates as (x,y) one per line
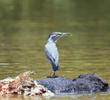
(24,28)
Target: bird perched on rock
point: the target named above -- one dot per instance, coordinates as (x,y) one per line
(51,51)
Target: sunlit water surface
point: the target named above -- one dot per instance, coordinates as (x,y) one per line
(25,26)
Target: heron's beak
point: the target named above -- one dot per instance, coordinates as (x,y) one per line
(67,33)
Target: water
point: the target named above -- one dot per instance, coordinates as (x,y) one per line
(25,26)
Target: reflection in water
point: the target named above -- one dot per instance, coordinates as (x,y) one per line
(24,28)
(70,97)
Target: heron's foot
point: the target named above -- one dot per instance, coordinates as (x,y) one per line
(52,75)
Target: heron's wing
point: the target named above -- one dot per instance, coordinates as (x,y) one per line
(52,54)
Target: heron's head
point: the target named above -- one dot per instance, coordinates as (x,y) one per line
(54,36)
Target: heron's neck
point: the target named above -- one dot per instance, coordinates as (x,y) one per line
(51,41)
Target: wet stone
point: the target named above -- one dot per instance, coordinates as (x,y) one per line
(88,83)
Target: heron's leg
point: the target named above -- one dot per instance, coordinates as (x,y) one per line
(51,75)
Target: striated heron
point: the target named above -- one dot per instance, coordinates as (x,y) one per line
(51,51)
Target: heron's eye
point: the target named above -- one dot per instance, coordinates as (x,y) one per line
(58,33)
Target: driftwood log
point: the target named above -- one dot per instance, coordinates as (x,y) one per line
(88,83)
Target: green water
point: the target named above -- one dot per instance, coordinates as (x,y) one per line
(25,26)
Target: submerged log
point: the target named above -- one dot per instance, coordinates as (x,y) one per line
(88,83)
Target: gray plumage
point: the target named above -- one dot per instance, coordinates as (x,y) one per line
(52,55)
(51,50)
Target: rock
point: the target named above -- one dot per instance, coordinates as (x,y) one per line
(88,83)
(58,84)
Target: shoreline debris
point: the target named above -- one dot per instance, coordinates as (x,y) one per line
(23,85)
